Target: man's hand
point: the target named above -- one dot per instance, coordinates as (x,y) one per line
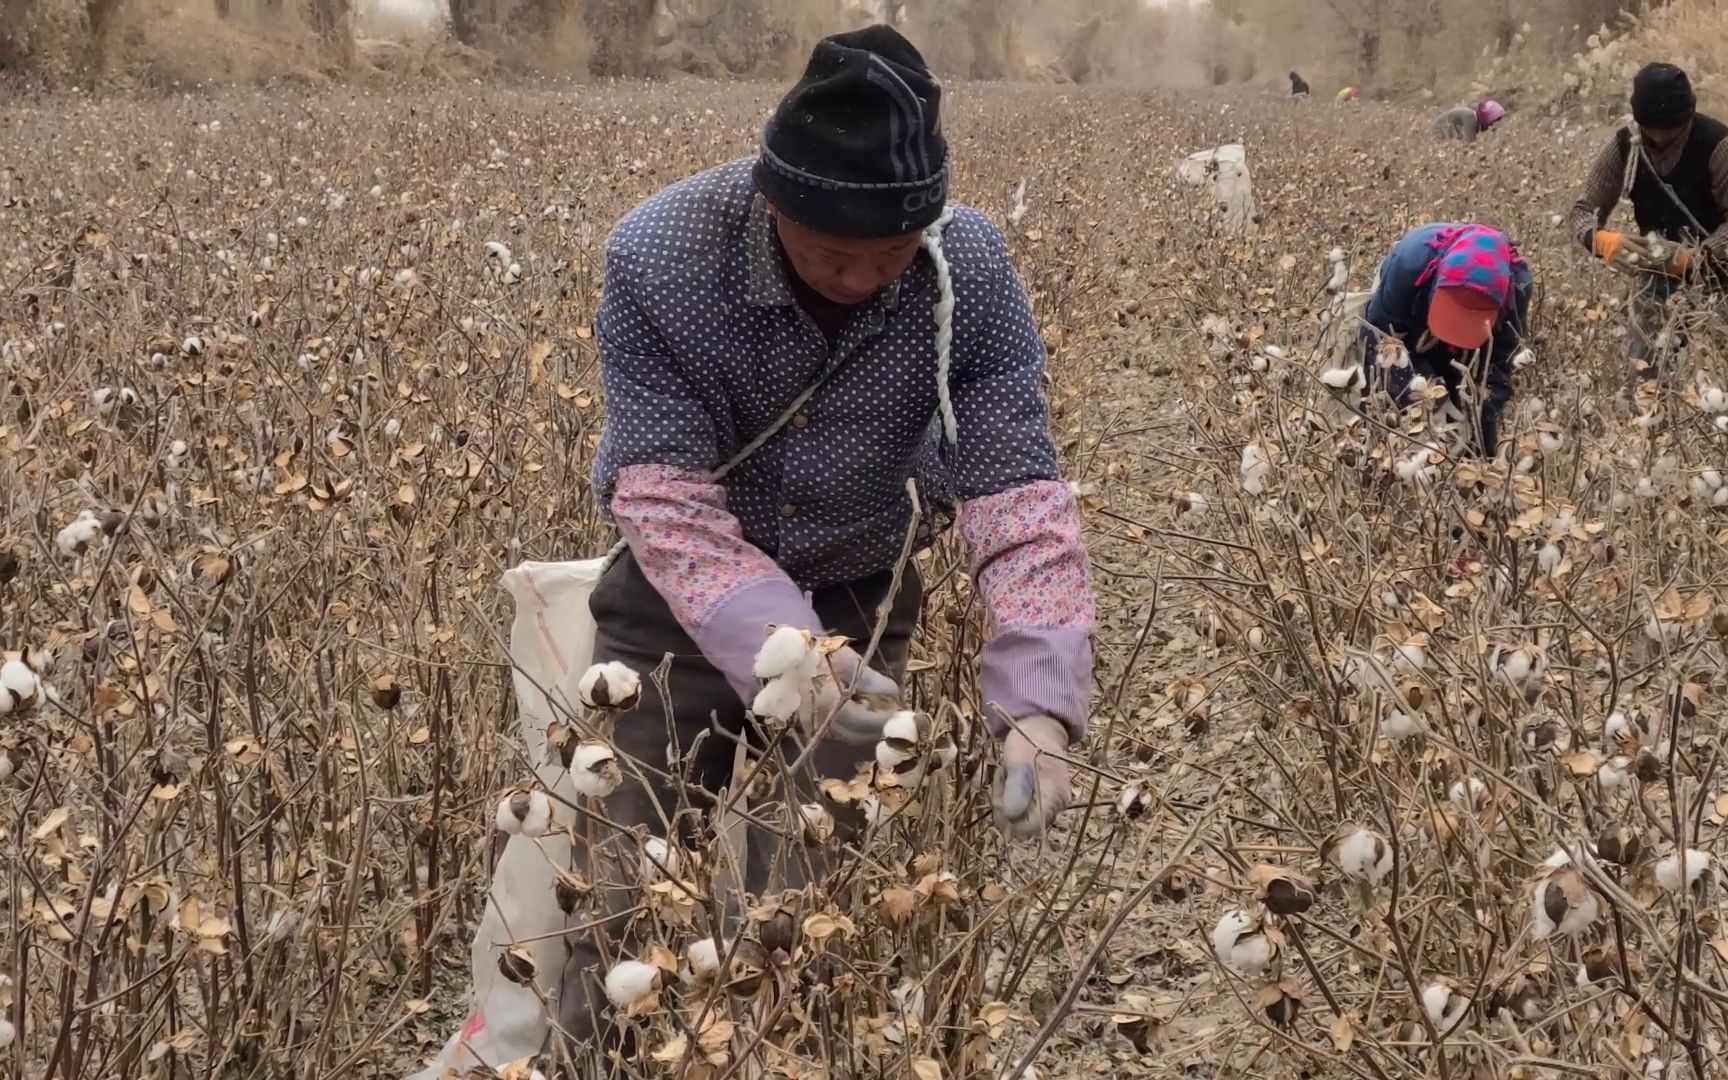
(860,717)
(1032,786)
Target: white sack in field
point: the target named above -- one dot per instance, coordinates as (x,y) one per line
(1224,170)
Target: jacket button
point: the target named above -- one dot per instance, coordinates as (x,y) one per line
(788,510)
(800,420)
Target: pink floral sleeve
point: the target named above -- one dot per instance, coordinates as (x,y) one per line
(1030,565)
(721,588)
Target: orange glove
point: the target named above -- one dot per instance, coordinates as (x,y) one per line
(1681,263)
(1605,244)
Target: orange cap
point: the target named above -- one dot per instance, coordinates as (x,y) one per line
(1462,318)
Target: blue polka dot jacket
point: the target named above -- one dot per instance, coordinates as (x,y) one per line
(703,346)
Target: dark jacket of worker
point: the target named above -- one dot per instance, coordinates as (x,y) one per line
(1450,257)
(1680,188)
(1298,88)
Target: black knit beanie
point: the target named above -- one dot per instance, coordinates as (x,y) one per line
(855,149)
(1662,97)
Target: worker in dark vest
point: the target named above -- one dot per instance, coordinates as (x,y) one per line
(1298,86)
(1671,163)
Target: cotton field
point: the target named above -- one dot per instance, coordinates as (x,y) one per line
(1402,764)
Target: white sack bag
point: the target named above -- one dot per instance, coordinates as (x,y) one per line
(1223,171)
(551,647)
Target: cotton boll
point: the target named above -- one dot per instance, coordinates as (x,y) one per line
(524,813)
(1645,488)
(1444,1005)
(1343,378)
(703,959)
(1550,441)
(1469,794)
(1240,944)
(392,428)
(611,685)
(1714,400)
(8,1033)
(901,727)
(778,700)
(594,769)
(1256,469)
(1614,772)
(1411,656)
(1549,557)
(783,652)
(1401,726)
(19,687)
(76,537)
(7,765)
(1418,386)
(631,983)
(1670,874)
(659,859)
(1363,854)
(1620,730)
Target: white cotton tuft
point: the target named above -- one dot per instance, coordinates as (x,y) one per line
(784,651)
(703,958)
(778,700)
(1239,944)
(611,685)
(659,859)
(594,769)
(76,537)
(524,813)
(1445,1006)
(1342,378)
(630,983)
(902,727)
(1256,469)
(1671,876)
(1364,854)
(1401,726)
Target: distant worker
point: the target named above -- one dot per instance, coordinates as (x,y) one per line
(1678,187)
(1298,87)
(1456,297)
(1349,93)
(1468,121)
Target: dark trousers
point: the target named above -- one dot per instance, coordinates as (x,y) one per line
(680,747)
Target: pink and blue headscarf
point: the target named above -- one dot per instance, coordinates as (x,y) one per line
(1472,257)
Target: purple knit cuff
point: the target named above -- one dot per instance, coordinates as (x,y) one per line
(1035,672)
(732,632)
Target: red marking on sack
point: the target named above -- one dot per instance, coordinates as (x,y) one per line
(545,631)
(475,1024)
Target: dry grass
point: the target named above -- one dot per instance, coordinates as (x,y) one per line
(229,852)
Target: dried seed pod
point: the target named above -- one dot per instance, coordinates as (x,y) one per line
(1283,891)
(386,692)
(8,567)
(1178,884)
(570,889)
(818,824)
(779,931)
(517,964)
(1619,844)
(749,968)
(1282,1002)
(1648,768)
